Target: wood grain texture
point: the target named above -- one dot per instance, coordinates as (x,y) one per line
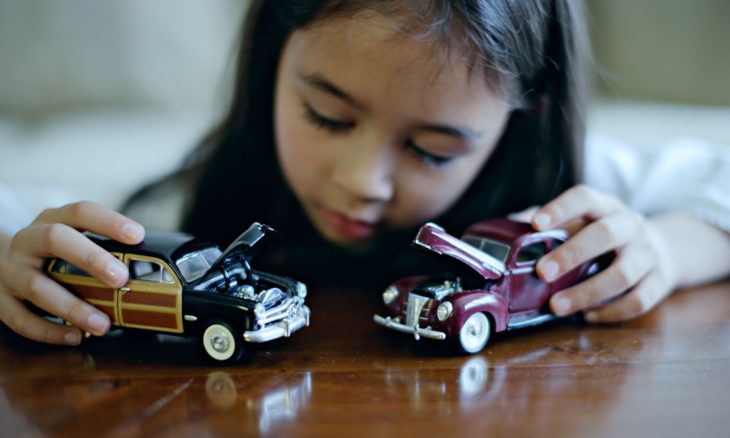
(666,374)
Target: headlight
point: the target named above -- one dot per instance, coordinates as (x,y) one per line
(390,294)
(301,290)
(444,311)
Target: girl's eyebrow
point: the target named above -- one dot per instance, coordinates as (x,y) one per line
(318,81)
(454,131)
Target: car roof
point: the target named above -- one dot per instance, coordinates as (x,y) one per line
(157,243)
(503,230)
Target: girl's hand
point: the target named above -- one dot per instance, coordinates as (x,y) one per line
(641,274)
(56,232)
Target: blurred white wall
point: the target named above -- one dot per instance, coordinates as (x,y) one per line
(669,50)
(56,55)
(99,97)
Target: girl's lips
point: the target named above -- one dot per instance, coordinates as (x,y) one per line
(347,227)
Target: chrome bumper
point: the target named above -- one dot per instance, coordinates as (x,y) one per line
(280,329)
(416,331)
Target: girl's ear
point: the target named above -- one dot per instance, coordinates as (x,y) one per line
(536,106)
(541,106)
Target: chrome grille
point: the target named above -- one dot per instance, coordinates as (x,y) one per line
(414,308)
(286,309)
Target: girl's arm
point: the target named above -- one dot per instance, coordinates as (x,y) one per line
(701,251)
(4,243)
(653,256)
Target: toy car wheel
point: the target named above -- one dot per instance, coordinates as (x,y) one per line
(474,335)
(221,343)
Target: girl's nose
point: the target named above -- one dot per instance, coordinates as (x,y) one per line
(365,174)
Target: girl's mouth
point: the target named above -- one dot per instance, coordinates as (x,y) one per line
(347,227)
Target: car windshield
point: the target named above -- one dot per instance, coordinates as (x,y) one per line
(495,249)
(193,265)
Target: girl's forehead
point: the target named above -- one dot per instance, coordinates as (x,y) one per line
(373,52)
(394,76)
(370,34)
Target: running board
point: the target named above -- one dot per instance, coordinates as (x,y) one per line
(527,322)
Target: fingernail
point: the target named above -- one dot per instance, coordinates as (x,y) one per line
(561,305)
(98,323)
(542,220)
(591,317)
(115,271)
(72,338)
(132,231)
(549,270)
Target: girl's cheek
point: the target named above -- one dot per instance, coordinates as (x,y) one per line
(303,153)
(419,199)
(426,196)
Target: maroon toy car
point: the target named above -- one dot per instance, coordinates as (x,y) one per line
(491,285)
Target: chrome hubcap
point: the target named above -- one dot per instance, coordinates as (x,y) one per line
(219,341)
(475,333)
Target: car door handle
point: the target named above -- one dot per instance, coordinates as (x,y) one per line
(124,290)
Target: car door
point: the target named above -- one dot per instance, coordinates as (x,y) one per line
(87,287)
(152,298)
(527,291)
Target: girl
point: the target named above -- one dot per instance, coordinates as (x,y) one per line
(352,123)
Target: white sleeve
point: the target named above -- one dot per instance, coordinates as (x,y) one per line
(684,175)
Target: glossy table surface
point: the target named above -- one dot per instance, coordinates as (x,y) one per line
(665,374)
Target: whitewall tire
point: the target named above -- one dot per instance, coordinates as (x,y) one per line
(221,343)
(475,333)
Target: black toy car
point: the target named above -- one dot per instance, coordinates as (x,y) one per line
(182,285)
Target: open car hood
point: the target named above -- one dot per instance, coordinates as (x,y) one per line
(244,248)
(433,238)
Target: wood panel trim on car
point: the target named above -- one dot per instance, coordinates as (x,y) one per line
(151,305)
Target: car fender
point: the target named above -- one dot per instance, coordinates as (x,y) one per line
(204,306)
(469,302)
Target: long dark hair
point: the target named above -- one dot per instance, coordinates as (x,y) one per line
(534,50)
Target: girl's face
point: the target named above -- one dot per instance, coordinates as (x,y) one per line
(376,130)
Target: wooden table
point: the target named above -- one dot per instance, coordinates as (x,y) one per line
(666,374)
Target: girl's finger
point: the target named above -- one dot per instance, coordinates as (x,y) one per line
(48,295)
(599,237)
(644,297)
(524,215)
(630,266)
(90,216)
(25,323)
(574,226)
(575,203)
(59,240)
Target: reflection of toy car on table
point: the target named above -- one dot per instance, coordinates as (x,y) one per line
(182,285)
(492,286)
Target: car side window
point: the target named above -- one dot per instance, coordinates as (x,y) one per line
(64,267)
(530,253)
(146,270)
(554,243)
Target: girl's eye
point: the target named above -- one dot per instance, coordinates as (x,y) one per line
(321,121)
(428,158)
